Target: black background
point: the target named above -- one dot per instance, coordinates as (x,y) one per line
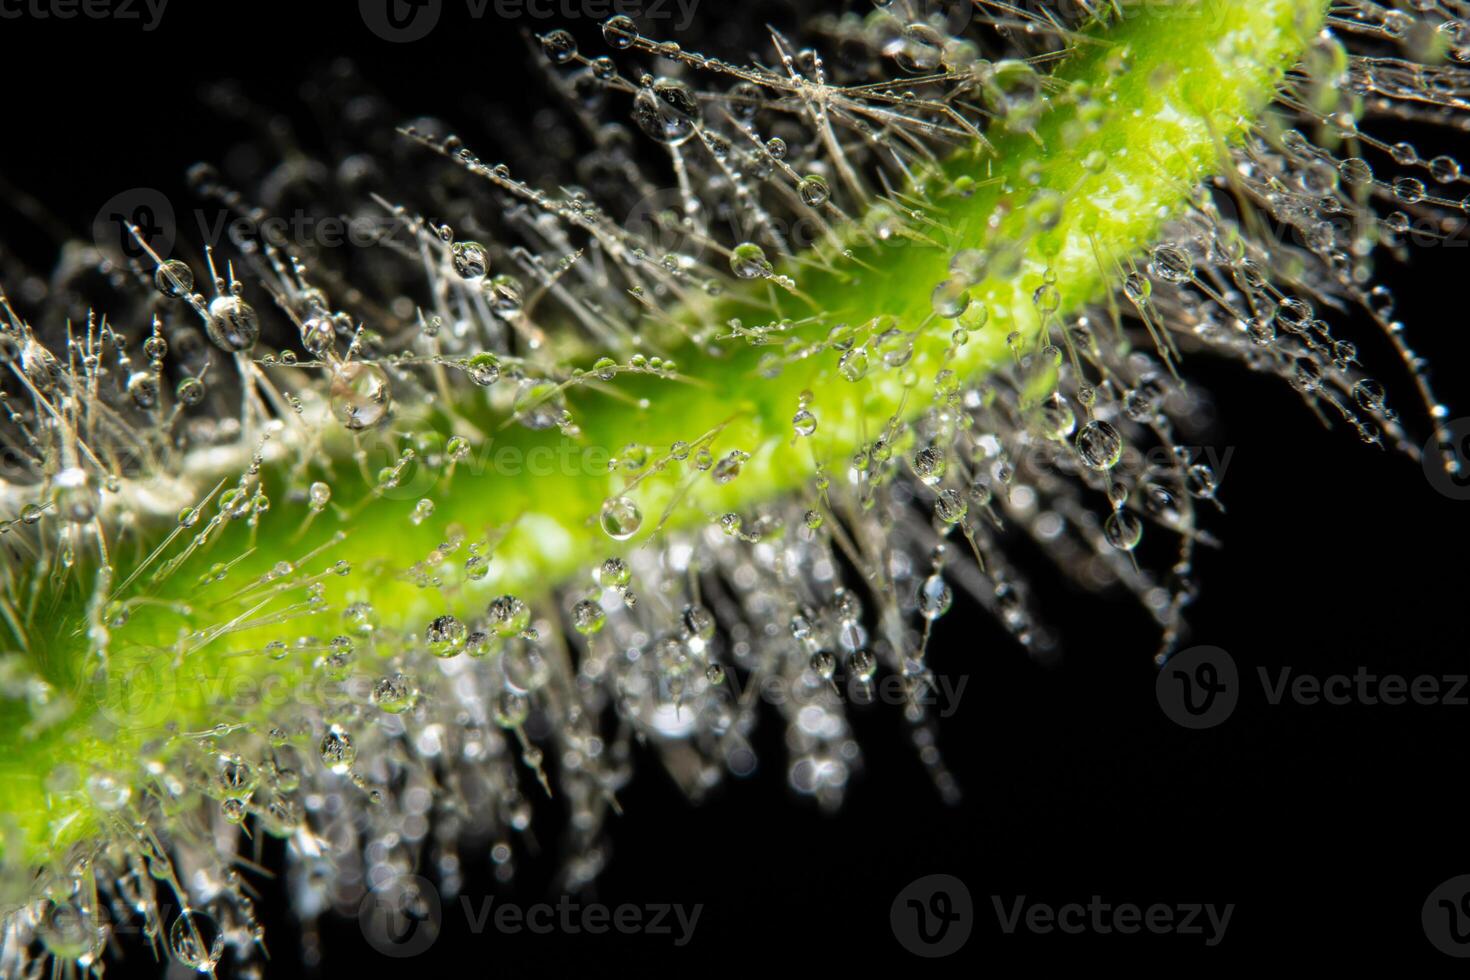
(1326,826)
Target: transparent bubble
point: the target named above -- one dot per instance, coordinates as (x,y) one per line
(667,111)
(361,395)
(471,261)
(587,617)
(620,518)
(748,261)
(174,279)
(1099,445)
(814,191)
(446,636)
(507,615)
(196,940)
(233,324)
(935,597)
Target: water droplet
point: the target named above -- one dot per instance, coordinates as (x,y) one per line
(446,637)
(1172,264)
(483,369)
(588,617)
(620,518)
(507,615)
(196,940)
(1124,529)
(174,279)
(667,111)
(620,32)
(471,261)
(1099,445)
(190,391)
(361,395)
(748,261)
(337,750)
(233,324)
(814,191)
(935,597)
(559,46)
(728,468)
(853,365)
(143,389)
(951,506)
(930,465)
(395,693)
(318,496)
(614,573)
(950,298)
(512,709)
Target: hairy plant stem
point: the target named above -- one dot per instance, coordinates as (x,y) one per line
(1154,99)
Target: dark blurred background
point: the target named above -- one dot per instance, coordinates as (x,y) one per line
(1327,827)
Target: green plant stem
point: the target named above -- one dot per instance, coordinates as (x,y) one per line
(1158,96)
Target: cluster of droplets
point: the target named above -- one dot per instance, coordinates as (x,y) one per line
(799,607)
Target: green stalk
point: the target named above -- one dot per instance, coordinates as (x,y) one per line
(1153,98)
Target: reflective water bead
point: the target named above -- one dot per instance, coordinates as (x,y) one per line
(470,260)
(620,32)
(1172,264)
(667,111)
(446,636)
(748,261)
(318,496)
(196,940)
(1099,445)
(588,617)
(512,709)
(1123,529)
(143,389)
(951,506)
(508,615)
(361,395)
(950,298)
(395,693)
(620,518)
(935,597)
(814,191)
(190,391)
(174,279)
(233,324)
(337,750)
(559,46)
(930,465)
(614,573)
